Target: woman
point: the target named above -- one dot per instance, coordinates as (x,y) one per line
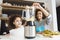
(42,17)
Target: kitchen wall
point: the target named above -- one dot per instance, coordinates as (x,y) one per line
(0,3)
(57,3)
(0,11)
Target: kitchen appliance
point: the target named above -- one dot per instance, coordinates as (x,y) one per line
(28,12)
(29,29)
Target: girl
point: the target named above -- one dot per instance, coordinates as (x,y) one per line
(16,28)
(42,18)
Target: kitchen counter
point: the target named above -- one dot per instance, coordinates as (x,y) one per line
(38,37)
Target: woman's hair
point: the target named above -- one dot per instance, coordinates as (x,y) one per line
(37,12)
(12,18)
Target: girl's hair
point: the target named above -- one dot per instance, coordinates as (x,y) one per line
(12,19)
(23,21)
(42,14)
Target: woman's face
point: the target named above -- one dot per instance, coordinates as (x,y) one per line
(17,22)
(39,15)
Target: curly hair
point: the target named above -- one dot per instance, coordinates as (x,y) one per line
(36,14)
(12,19)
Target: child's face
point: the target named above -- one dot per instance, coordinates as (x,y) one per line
(39,15)
(17,22)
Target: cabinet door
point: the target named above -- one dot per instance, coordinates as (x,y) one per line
(58,17)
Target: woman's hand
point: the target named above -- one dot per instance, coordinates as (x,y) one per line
(36,5)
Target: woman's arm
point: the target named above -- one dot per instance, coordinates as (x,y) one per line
(38,6)
(48,19)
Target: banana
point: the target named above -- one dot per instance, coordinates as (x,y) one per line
(48,33)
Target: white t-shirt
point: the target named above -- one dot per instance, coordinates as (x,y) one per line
(17,33)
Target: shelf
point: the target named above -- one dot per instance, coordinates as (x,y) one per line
(2,18)
(14,7)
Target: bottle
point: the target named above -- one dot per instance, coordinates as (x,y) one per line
(29,30)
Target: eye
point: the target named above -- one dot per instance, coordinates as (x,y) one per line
(17,20)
